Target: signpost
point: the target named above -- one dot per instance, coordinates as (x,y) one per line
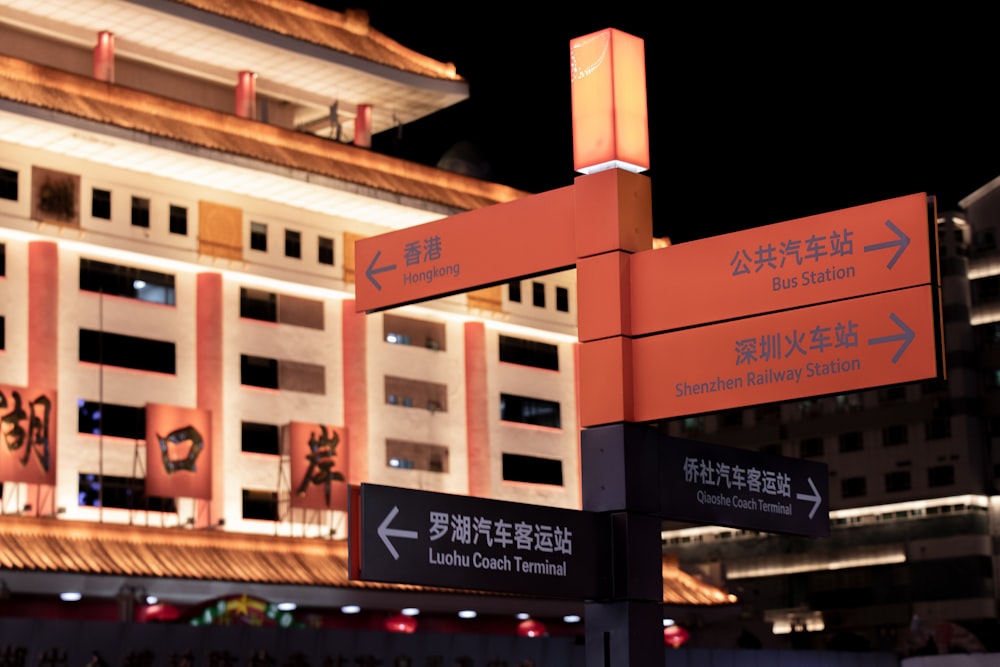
(438,539)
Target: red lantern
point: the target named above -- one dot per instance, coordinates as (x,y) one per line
(675,636)
(399,623)
(531,628)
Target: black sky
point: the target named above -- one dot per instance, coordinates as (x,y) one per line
(755,116)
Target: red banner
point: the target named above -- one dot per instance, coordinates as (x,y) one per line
(178,456)
(319,466)
(28,425)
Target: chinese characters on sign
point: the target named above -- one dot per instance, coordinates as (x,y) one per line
(28,452)
(178,452)
(319,466)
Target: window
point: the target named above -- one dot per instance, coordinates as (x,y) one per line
(416,456)
(937,428)
(8,184)
(408,393)
(258,371)
(3,259)
(178,220)
(526,410)
(941,476)
(117,421)
(774,449)
(562,299)
(258,305)
(293,244)
(853,487)
(532,469)
(325,250)
(731,418)
(811,448)
(115,280)
(397,330)
(852,441)
(140,212)
(144,354)
(897,481)
(119,492)
(892,394)
(538,294)
(896,434)
(100,204)
(514,291)
(3,334)
(261,438)
(260,505)
(258,236)
(529,353)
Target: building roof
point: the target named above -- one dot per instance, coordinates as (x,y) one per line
(119,107)
(58,546)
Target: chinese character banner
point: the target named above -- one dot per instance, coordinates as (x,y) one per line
(319,466)
(28,425)
(178,452)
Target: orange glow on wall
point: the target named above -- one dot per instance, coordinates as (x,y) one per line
(28,433)
(608,92)
(104,57)
(246,95)
(177,463)
(319,466)
(363,126)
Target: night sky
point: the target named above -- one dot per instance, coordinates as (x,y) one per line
(754,118)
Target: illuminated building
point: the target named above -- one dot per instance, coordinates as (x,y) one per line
(181,186)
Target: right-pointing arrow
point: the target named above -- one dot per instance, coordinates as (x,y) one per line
(815,498)
(906,336)
(900,243)
(385,532)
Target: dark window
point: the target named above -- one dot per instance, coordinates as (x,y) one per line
(258,305)
(144,354)
(100,204)
(937,428)
(731,418)
(140,212)
(941,476)
(526,410)
(8,184)
(178,220)
(293,244)
(774,449)
(529,353)
(258,236)
(115,280)
(3,259)
(532,469)
(117,421)
(538,294)
(3,334)
(261,438)
(853,487)
(851,442)
(897,481)
(811,447)
(262,505)
(562,299)
(897,434)
(514,290)
(258,371)
(325,251)
(120,492)
(892,394)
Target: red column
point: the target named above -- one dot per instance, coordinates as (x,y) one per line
(477,423)
(355,391)
(363,126)
(209,383)
(104,57)
(246,95)
(43,353)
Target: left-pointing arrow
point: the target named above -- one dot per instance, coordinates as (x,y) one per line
(815,498)
(905,336)
(385,532)
(373,271)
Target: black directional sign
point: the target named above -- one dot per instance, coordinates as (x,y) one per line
(437,539)
(726,486)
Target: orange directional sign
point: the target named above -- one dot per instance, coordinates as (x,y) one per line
(848,345)
(877,247)
(466,251)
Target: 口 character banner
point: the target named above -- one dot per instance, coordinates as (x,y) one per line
(178,452)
